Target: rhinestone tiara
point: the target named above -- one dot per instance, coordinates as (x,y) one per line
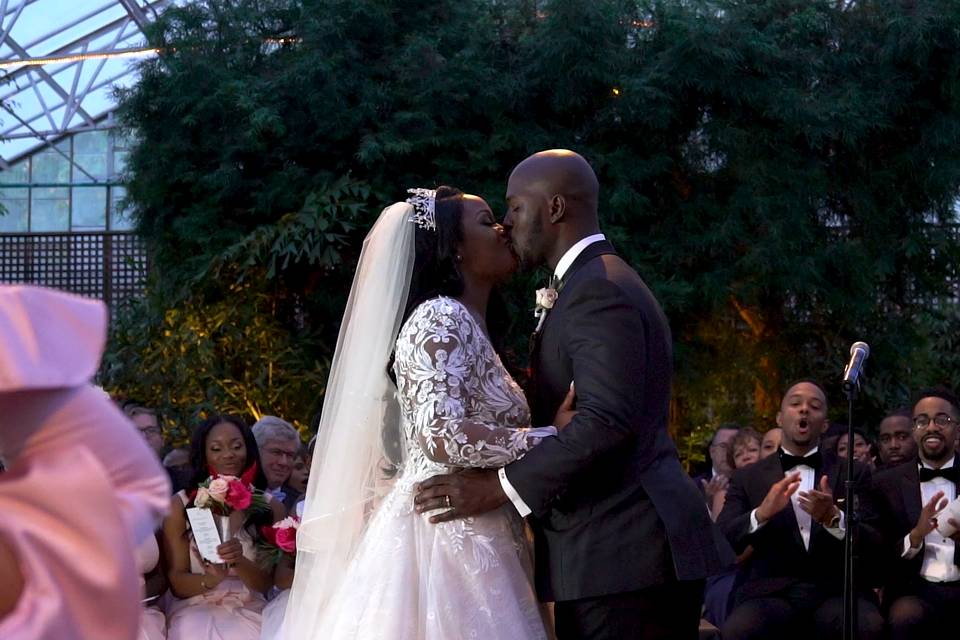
(424,203)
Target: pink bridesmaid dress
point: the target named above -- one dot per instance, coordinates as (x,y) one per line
(153,624)
(81,489)
(229,611)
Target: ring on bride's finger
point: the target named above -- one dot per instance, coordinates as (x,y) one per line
(446,500)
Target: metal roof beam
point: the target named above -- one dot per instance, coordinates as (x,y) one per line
(67,98)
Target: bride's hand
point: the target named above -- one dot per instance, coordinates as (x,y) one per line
(567,409)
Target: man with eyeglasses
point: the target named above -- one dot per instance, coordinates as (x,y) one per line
(922,581)
(896,443)
(146,421)
(279,442)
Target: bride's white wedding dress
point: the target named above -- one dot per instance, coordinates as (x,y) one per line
(469,578)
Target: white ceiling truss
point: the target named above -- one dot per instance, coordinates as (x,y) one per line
(60,61)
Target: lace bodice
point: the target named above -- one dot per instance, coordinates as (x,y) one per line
(459,405)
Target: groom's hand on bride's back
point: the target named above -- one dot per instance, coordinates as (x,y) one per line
(466,493)
(567,410)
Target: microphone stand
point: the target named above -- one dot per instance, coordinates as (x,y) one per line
(850,619)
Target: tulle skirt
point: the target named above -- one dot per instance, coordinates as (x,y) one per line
(413,580)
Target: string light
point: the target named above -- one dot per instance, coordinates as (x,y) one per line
(615,91)
(79,57)
(122,53)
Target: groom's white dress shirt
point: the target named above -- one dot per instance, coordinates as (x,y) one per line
(562,266)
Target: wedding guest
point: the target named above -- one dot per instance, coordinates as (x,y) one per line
(81,489)
(148,423)
(153,622)
(784,507)
(279,443)
(713,483)
(922,586)
(897,444)
(744,450)
(219,600)
(177,464)
(861,447)
(300,472)
(771,442)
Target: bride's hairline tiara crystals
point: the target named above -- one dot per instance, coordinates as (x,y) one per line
(424,202)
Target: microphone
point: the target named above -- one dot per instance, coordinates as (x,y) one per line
(859,352)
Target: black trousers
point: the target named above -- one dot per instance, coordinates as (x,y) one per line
(930,611)
(800,611)
(663,612)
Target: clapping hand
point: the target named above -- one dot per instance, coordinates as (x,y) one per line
(778,497)
(819,504)
(927,521)
(715,485)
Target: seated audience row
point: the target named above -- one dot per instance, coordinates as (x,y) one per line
(785,515)
(189,598)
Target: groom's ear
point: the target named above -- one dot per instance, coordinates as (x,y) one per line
(558,207)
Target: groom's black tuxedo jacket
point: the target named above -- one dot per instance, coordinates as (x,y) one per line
(613,510)
(779,559)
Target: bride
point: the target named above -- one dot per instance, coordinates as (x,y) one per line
(368,565)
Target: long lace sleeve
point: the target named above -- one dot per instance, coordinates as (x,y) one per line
(448,375)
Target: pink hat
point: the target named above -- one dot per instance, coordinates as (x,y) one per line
(48,339)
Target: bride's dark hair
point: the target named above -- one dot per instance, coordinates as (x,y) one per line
(436,270)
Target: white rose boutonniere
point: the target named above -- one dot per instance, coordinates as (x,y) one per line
(546,298)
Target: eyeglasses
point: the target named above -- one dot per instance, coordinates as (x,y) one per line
(922,421)
(151,431)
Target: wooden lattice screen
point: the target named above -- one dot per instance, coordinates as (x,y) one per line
(110,266)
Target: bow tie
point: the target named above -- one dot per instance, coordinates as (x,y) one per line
(949,473)
(787,461)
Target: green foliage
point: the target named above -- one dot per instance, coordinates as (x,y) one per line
(783,173)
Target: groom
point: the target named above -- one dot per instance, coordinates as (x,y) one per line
(623,540)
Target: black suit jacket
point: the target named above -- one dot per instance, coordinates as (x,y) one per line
(779,559)
(893,504)
(613,510)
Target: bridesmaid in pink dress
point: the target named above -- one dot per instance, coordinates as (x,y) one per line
(81,490)
(216,602)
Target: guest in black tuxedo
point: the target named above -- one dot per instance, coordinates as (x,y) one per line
(623,540)
(922,587)
(896,442)
(783,507)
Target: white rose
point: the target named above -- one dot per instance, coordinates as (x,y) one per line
(546,298)
(203,498)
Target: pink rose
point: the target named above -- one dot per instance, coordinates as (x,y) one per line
(218,489)
(238,495)
(287,539)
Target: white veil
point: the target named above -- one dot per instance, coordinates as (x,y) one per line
(359,397)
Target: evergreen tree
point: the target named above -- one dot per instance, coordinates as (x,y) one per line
(783,172)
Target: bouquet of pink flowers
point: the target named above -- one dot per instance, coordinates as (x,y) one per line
(280,539)
(225,494)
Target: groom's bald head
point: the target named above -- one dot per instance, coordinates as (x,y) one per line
(551,203)
(558,171)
